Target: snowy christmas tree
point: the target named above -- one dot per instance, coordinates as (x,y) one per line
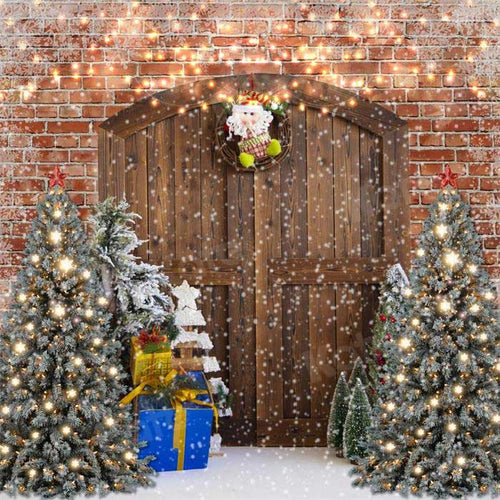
(61,431)
(436,431)
(338,414)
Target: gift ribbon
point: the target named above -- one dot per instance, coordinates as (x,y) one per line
(150,381)
(180,397)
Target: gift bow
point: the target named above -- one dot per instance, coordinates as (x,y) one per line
(150,381)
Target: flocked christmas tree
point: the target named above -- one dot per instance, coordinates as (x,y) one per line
(358,372)
(338,414)
(437,429)
(356,424)
(61,431)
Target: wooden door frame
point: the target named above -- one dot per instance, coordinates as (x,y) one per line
(392,133)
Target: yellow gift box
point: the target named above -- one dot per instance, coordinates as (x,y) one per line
(156,364)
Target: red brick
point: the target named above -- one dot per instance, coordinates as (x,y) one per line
(455,125)
(68,127)
(430,95)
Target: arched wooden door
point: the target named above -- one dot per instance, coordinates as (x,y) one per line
(288,259)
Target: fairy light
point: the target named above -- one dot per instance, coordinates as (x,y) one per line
(474,308)
(472,268)
(390,446)
(78,361)
(391,406)
(88,313)
(71,393)
(417,470)
(65,430)
(97,341)
(420,432)
(4,449)
(434,402)
(102,301)
(128,456)
(461,461)
(458,390)
(35,435)
(109,421)
(489,295)
(58,311)
(441,230)
(86,274)
(451,258)
(404,343)
(74,464)
(406,292)
(35,258)
(464,356)
(483,337)
(415,322)
(16,382)
(48,405)
(55,237)
(420,252)
(65,264)
(400,377)
(57,213)
(22,297)
(444,305)
(5,410)
(19,347)
(32,473)
(496,418)
(451,427)
(113,371)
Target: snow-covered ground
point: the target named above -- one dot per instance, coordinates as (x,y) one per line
(261,474)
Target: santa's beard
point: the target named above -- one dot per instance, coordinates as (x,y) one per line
(261,126)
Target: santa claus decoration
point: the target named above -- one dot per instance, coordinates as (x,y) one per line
(250,118)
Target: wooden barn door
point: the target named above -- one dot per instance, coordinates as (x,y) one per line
(288,259)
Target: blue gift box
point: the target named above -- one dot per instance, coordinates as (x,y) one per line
(156,419)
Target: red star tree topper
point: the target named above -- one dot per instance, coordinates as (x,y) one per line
(448,177)
(57,178)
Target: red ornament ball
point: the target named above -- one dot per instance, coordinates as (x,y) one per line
(382,317)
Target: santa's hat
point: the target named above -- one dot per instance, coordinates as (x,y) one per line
(251,100)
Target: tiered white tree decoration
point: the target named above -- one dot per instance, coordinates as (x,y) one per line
(188,316)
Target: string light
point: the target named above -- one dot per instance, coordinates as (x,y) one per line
(444,305)
(451,258)
(451,427)
(71,393)
(58,311)
(35,258)
(56,213)
(86,274)
(74,464)
(488,295)
(19,347)
(5,410)
(55,237)
(391,406)
(420,252)
(458,390)
(35,434)
(441,230)
(474,308)
(460,460)
(22,297)
(4,449)
(496,418)
(464,356)
(66,264)
(420,432)
(434,402)
(390,446)
(77,361)
(48,405)
(109,421)
(417,470)
(400,377)
(32,473)
(89,313)
(405,343)
(15,382)
(472,268)
(65,430)
(102,301)
(113,371)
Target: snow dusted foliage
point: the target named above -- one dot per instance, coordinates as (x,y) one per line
(138,292)
(222,396)
(338,414)
(436,426)
(61,430)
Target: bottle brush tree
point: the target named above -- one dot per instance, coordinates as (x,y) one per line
(338,414)
(61,431)
(358,371)
(357,421)
(437,430)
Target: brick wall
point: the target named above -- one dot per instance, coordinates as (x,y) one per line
(66,66)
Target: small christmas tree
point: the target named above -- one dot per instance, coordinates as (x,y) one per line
(436,430)
(338,414)
(358,372)
(61,431)
(356,423)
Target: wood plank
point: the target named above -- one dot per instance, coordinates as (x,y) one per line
(372,216)
(294,239)
(268,295)
(187,185)
(103,160)
(213,191)
(293,432)
(329,271)
(320,213)
(204,272)
(349,337)
(136,185)
(241,430)
(161,174)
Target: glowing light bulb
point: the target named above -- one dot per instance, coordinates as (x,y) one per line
(420,252)
(464,356)
(32,473)
(78,361)
(400,377)
(415,322)
(71,393)
(417,470)
(420,432)
(35,435)
(434,402)
(496,418)
(5,410)
(443,207)
(391,406)
(66,264)
(86,274)
(65,430)
(483,337)
(19,347)
(35,258)
(89,313)
(109,421)
(458,390)
(56,213)
(444,305)
(488,296)
(113,371)
(58,311)
(472,268)
(406,292)
(390,446)
(451,258)
(451,427)
(441,230)
(74,464)
(4,449)
(15,382)
(474,308)
(128,455)
(102,301)
(55,237)
(48,405)
(461,461)
(97,341)
(29,327)
(22,297)
(404,343)
(497,367)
